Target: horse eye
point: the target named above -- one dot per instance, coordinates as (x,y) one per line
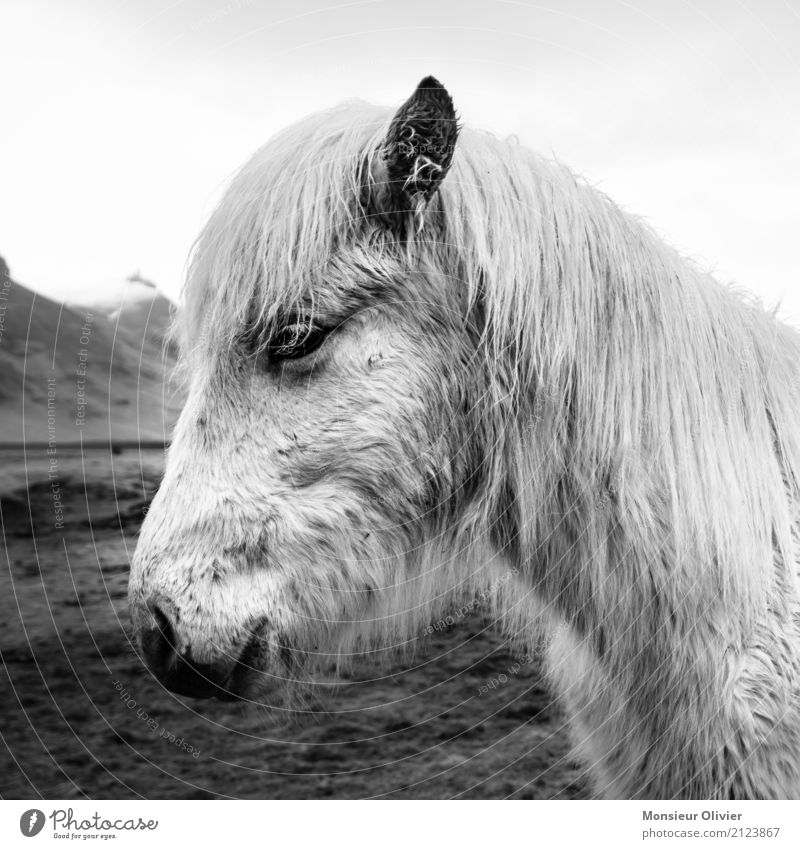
(295,341)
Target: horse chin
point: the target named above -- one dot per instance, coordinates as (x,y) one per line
(253,687)
(265,675)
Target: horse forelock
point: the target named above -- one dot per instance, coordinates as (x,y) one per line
(268,243)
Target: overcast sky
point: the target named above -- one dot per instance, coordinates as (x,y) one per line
(122,121)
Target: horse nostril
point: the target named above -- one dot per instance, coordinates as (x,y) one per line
(158,644)
(177,670)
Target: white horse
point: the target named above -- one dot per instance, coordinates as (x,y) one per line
(425,364)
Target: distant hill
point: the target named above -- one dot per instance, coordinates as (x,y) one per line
(99,373)
(136,306)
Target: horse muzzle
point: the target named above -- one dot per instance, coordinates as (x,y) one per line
(170,658)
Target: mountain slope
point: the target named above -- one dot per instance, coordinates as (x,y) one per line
(69,373)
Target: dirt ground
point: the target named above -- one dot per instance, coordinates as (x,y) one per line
(82,717)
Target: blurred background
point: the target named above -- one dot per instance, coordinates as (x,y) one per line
(122,124)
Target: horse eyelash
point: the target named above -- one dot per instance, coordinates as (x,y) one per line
(306,332)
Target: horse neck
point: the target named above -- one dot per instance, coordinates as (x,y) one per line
(646,400)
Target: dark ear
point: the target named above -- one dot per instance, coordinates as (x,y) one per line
(415,156)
